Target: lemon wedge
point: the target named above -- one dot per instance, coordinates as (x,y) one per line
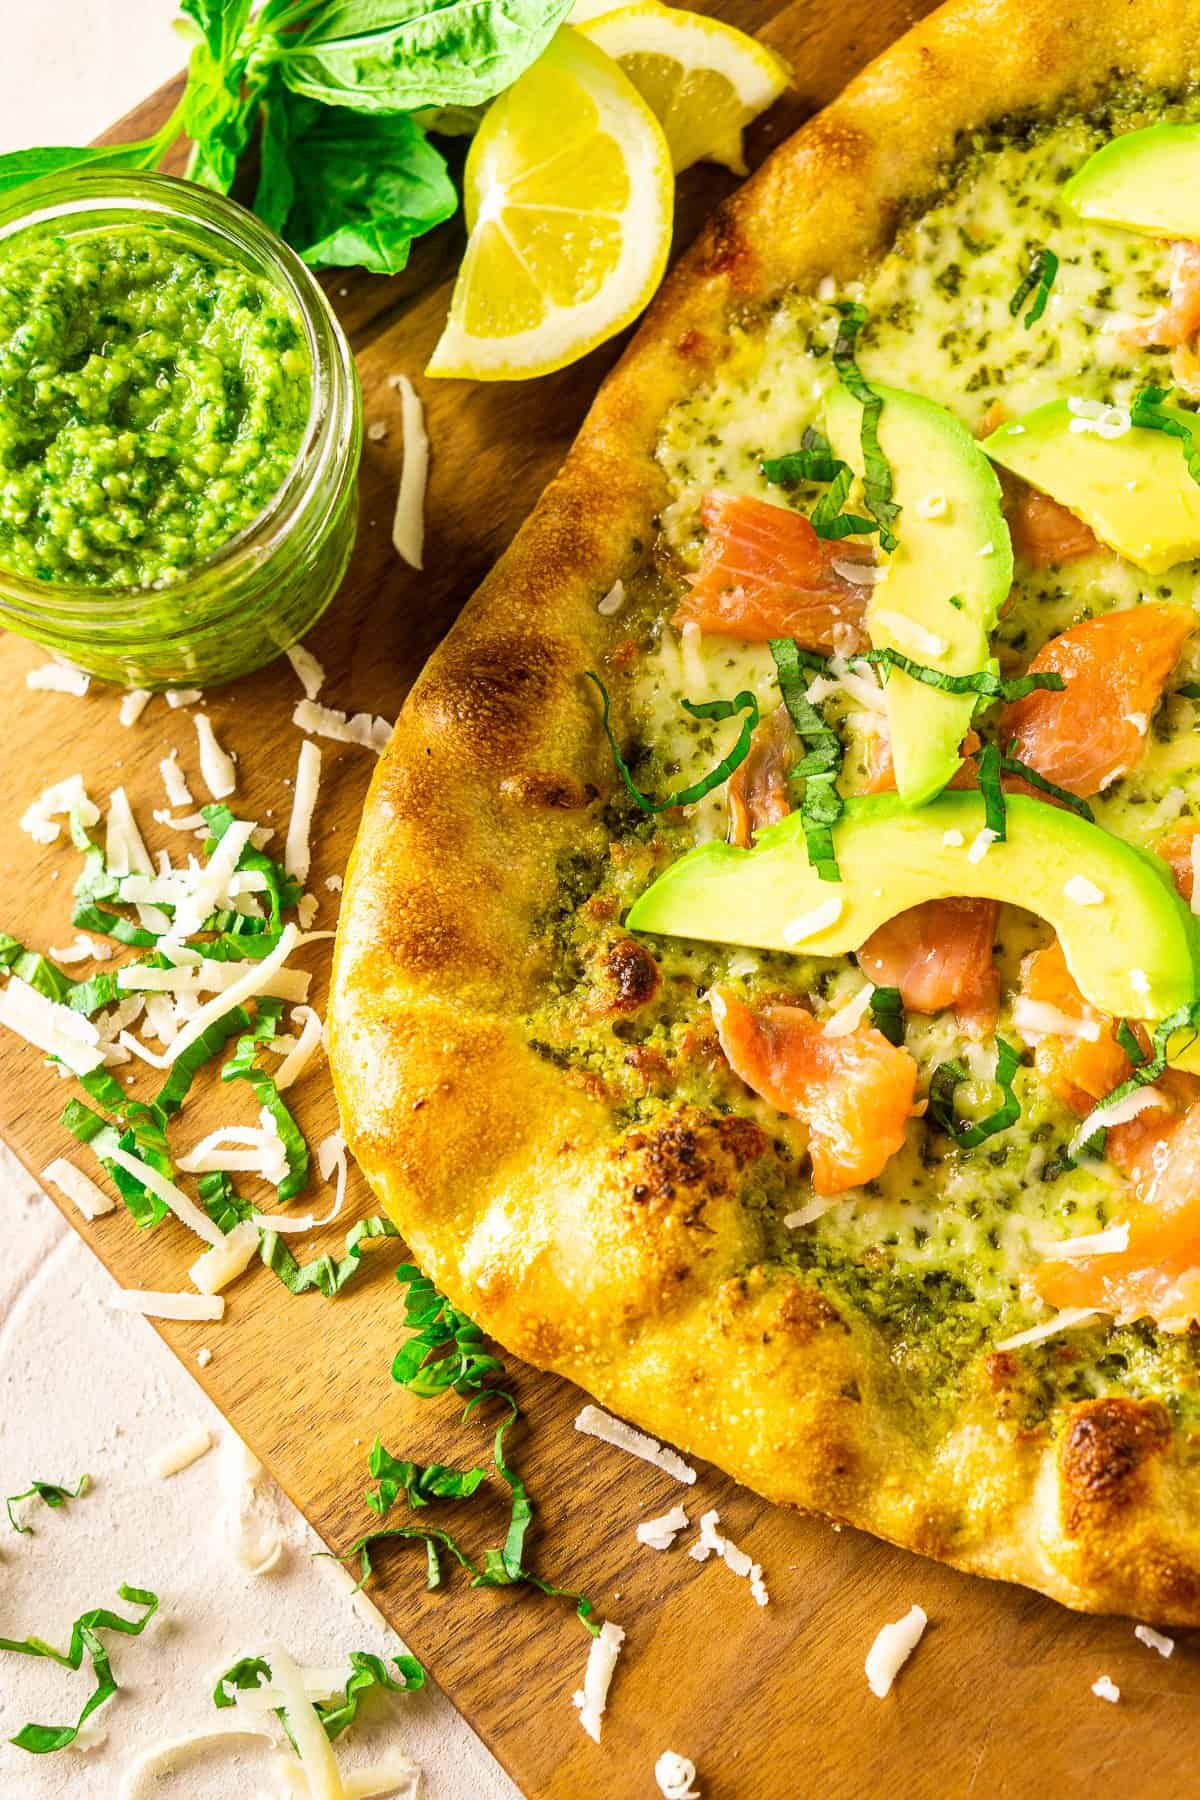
(703,80)
(569,195)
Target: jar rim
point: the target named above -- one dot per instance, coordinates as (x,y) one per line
(79,194)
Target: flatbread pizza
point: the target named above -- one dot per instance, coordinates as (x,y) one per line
(766,985)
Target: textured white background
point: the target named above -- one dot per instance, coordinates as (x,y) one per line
(83,1388)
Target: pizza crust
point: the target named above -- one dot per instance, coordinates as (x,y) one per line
(627,1263)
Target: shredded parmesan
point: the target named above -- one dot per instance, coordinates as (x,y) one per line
(297,855)
(850,1015)
(305,1048)
(50,1026)
(59,678)
(325,721)
(252,982)
(735,1560)
(106,1146)
(592,1698)
(82,948)
(54,802)
(140,1781)
(892,1648)
(125,851)
(613,601)
(953,839)
(1117,1112)
(674,1775)
(1083,892)
(660,1533)
(598,1424)
(811,924)
(133,705)
(217,769)
(1154,1640)
(1038,1019)
(862,574)
(154,1305)
(809,1214)
(184,696)
(311,673)
(981,844)
(308,1734)
(1105,1688)
(1066,1320)
(225,1261)
(408,525)
(178,792)
(908,632)
(1100,1243)
(79,1188)
(181,1454)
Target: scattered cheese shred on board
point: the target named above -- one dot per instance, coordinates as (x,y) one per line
(50,1026)
(140,1781)
(310,672)
(1066,1320)
(592,1698)
(408,525)
(174,781)
(157,1305)
(125,850)
(1154,1640)
(186,1211)
(308,1734)
(1105,1688)
(735,1560)
(82,948)
(59,678)
(181,1454)
(892,1648)
(660,1533)
(675,1775)
(252,982)
(54,802)
(133,705)
(217,768)
(598,1424)
(297,854)
(79,1188)
(217,1267)
(371,733)
(306,1047)
(334,882)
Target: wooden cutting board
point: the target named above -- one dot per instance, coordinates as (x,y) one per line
(768,1703)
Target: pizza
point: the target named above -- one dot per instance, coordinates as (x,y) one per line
(766,982)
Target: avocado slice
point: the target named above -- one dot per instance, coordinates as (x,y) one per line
(1133,490)
(1136,954)
(953,546)
(1144,180)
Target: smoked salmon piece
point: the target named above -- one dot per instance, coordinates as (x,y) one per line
(1087,734)
(758,788)
(764,573)
(855,1093)
(880,775)
(1078,1071)
(1176,849)
(1044,533)
(1178,321)
(939,954)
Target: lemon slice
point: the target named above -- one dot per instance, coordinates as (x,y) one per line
(703,80)
(569,196)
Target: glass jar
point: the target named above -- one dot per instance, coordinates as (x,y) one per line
(263,589)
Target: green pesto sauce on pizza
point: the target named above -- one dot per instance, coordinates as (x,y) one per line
(931,1253)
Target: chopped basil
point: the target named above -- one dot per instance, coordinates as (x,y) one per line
(822,805)
(53,1493)
(887,1013)
(877,472)
(366,1671)
(1146,1069)
(1127,1039)
(420,1483)
(995,816)
(1147,412)
(1040,275)
(226,1209)
(1012,765)
(815,461)
(984,682)
(446,1350)
(947,1077)
(42,1739)
(707,709)
(241,1067)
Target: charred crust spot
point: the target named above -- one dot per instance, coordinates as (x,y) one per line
(629,976)
(1108,1442)
(803,1312)
(742,1139)
(542,787)
(695,346)
(725,250)
(678,1159)
(493,692)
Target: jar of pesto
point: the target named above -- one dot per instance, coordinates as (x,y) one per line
(180,431)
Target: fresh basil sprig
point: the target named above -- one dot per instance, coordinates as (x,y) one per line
(945,1080)
(42,1739)
(821,806)
(1040,275)
(53,1493)
(699,709)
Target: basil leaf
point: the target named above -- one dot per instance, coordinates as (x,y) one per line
(1012,765)
(1148,412)
(995,814)
(42,1739)
(366,1671)
(887,1013)
(707,709)
(1040,275)
(821,806)
(984,682)
(276,188)
(1127,1039)
(877,471)
(447,1350)
(363,186)
(947,1077)
(283,890)
(241,1067)
(420,1483)
(815,461)
(221,23)
(53,1493)
(247,1672)
(386,56)
(20,166)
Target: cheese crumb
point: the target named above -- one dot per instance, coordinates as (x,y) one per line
(1154,1640)
(592,1698)
(59,678)
(327,721)
(310,672)
(1083,892)
(953,839)
(594,1422)
(133,705)
(981,844)
(811,924)
(181,1454)
(613,601)
(1106,1689)
(932,506)
(735,1560)
(54,802)
(217,768)
(675,1775)
(660,1533)
(204,1357)
(184,696)
(892,1648)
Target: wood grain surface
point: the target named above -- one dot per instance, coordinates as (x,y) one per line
(768,1702)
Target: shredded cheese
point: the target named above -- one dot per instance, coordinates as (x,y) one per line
(311,673)
(325,721)
(105,1145)
(1117,1112)
(598,1424)
(140,1781)
(79,1188)
(50,1026)
(1105,1688)
(308,1734)
(612,602)
(252,982)
(1154,1640)
(674,1775)
(910,632)
(174,781)
(809,1214)
(1066,1320)
(299,1057)
(660,1533)
(811,924)
(297,855)
(225,1261)
(1037,1019)
(181,1454)
(59,678)
(408,525)
(184,696)
(592,1698)
(55,802)
(125,851)
(735,1560)
(1098,1243)
(217,768)
(133,705)
(256,1544)
(156,1305)
(892,1648)
(981,844)
(850,1015)
(82,948)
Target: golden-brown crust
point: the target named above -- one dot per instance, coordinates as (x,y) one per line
(628,1262)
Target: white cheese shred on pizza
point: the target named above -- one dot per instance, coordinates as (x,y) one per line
(59,678)
(218,771)
(592,1698)
(594,1422)
(408,524)
(367,730)
(140,1780)
(1105,1688)
(810,1213)
(1109,1242)
(1119,1112)
(133,705)
(660,1533)
(217,1267)
(309,671)
(1154,1640)
(155,1304)
(79,1188)
(735,1560)
(297,854)
(39,820)
(180,1455)
(1036,1019)
(674,1775)
(893,1646)
(849,1016)
(1066,1320)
